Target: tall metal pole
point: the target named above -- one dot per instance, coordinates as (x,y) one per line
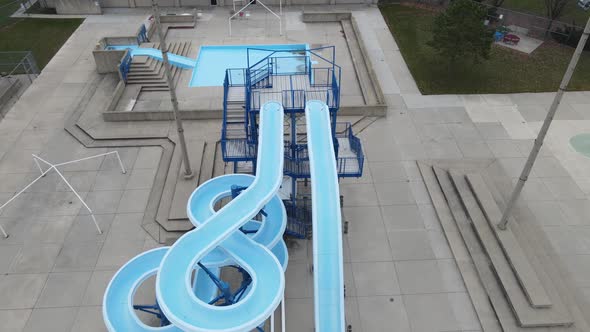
(545,128)
(188,172)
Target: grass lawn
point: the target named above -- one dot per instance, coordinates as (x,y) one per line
(7,7)
(506,71)
(42,36)
(570,14)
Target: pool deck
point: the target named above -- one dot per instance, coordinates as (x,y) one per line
(400,273)
(259,29)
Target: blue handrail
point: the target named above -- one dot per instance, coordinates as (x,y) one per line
(125,65)
(142,35)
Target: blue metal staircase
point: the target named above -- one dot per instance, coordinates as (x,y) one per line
(291,80)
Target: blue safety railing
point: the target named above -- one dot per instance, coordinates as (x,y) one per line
(351,166)
(142,36)
(125,65)
(290,65)
(296,160)
(235,77)
(238,149)
(299,217)
(291,77)
(293,100)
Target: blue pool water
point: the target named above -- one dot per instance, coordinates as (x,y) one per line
(121,47)
(214,60)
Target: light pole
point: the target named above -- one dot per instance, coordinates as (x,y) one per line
(188,172)
(545,128)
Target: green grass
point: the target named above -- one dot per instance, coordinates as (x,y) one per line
(44,37)
(572,13)
(506,71)
(7,8)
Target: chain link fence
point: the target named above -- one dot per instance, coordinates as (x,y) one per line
(531,25)
(17,71)
(7,8)
(18,63)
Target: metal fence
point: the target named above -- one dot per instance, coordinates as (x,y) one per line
(529,24)
(18,63)
(8,8)
(523,23)
(14,65)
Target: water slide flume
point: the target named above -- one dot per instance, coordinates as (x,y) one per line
(175,59)
(328,278)
(217,241)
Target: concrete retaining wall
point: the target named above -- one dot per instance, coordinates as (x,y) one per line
(369,64)
(116,96)
(107,61)
(188,18)
(373,109)
(73,7)
(325,16)
(364,110)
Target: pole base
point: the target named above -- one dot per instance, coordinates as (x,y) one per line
(189,176)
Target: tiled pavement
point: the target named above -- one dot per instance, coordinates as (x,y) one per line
(400,274)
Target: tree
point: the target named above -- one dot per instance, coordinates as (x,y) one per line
(554,10)
(459,32)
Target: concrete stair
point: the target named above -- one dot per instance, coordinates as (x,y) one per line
(513,286)
(207,163)
(235,114)
(149,72)
(360,64)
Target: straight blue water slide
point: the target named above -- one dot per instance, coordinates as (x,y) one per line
(174,59)
(328,278)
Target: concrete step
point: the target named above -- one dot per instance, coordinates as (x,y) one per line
(140,60)
(153,77)
(150,45)
(185,48)
(520,264)
(155,88)
(360,64)
(460,223)
(184,188)
(150,74)
(554,275)
(219,167)
(528,316)
(208,162)
(173,47)
(154,67)
(458,243)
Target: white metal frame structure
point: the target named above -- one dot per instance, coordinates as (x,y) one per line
(36,159)
(265,7)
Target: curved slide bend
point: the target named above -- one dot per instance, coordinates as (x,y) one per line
(328,278)
(216,242)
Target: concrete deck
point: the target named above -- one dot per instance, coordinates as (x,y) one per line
(400,273)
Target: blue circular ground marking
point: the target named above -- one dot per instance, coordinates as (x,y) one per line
(581,143)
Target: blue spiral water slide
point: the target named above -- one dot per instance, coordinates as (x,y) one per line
(217,241)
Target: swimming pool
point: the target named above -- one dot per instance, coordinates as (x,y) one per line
(214,60)
(120,47)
